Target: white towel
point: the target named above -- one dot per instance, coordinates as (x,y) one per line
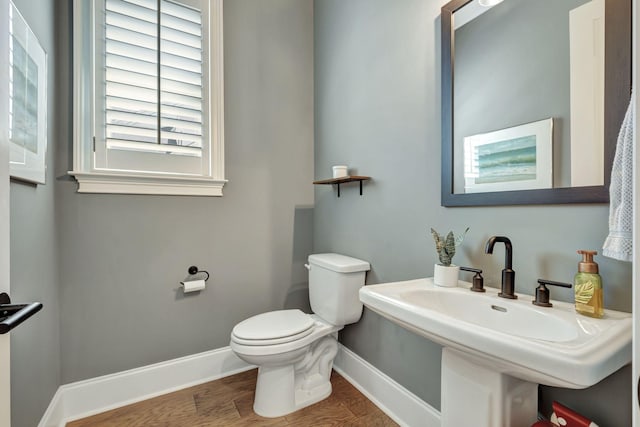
(619,243)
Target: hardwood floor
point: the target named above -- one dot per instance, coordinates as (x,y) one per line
(229,402)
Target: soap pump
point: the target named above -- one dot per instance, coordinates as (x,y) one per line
(588,286)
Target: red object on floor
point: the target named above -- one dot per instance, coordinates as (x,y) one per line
(570,418)
(543,424)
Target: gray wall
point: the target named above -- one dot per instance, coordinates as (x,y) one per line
(377,109)
(35,345)
(122,256)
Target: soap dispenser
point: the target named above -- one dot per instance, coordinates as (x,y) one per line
(588,286)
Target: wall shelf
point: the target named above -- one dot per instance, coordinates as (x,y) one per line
(343,180)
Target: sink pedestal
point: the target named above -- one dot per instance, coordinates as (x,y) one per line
(475,393)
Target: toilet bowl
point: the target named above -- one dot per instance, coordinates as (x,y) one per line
(294,351)
(294,370)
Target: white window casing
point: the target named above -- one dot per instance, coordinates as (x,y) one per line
(148,109)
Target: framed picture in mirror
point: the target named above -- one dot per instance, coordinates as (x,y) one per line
(27,101)
(516,158)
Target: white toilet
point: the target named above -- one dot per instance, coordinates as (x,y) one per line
(293,350)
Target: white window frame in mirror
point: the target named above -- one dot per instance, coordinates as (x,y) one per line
(91,171)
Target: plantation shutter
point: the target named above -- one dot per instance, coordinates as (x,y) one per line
(153,86)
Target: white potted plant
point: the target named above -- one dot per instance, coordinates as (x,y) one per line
(445,273)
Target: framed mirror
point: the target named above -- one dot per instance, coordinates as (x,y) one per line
(533,96)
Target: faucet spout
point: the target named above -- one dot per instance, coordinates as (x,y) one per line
(508,254)
(508,275)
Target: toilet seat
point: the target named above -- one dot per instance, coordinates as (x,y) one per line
(319,329)
(274,327)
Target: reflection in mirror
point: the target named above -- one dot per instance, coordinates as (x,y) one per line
(530,104)
(500,56)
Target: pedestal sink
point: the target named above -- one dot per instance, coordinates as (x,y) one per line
(496,351)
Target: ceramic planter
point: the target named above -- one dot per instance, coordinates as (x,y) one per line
(446,276)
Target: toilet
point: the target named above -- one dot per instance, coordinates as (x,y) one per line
(294,351)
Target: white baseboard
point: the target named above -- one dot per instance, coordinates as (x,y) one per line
(397,402)
(93,396)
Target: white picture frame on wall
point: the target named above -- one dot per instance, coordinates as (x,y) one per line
(27,64)
(516,158)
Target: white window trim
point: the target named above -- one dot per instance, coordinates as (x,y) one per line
(92,180)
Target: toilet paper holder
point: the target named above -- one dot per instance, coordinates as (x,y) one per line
(193,270)
(194,282)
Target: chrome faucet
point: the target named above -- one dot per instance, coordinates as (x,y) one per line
(508,275)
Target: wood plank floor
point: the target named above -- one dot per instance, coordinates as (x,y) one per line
(229,402)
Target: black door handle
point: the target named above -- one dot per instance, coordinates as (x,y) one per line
(11,315)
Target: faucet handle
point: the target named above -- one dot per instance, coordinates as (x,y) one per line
(542,293)
(478,280)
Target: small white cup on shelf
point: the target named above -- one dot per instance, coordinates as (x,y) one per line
(340,171)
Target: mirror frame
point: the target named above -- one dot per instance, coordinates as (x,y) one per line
(617,94)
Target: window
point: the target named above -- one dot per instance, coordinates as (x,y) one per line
(148,101)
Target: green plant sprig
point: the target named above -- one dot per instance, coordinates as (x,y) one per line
(446,246)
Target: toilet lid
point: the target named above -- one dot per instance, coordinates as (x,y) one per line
(266,328)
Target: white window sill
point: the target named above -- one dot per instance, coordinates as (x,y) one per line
(117,183)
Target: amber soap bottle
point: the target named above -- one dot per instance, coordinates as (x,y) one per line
(588,286)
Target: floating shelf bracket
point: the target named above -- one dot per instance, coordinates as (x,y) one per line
(343,180)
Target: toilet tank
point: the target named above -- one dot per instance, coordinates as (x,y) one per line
(334,282)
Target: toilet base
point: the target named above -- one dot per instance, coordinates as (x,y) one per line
(305,398)
(281,390)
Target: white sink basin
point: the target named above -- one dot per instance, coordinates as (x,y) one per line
(552,346)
